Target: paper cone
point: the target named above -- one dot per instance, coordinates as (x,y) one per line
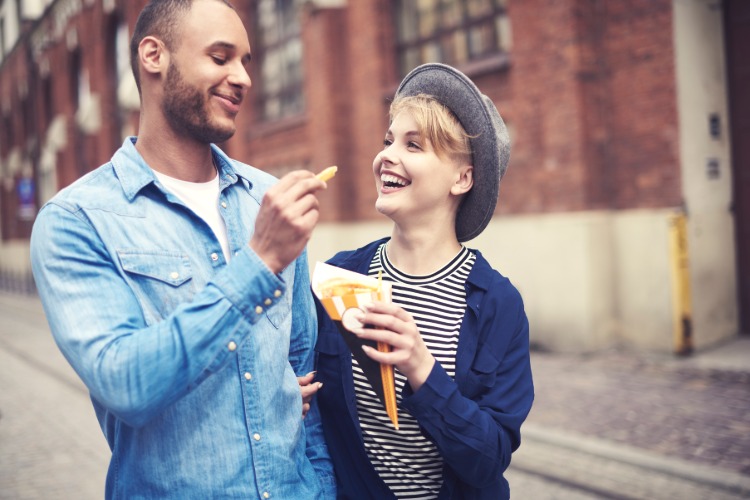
(343,293)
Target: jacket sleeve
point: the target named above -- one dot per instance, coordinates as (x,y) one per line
(302,359)
(476,422)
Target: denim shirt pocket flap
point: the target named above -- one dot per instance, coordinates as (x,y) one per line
(172,268)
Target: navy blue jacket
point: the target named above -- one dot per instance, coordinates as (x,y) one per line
(474,421)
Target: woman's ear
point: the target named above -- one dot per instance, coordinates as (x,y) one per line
(465,180)
(152,56)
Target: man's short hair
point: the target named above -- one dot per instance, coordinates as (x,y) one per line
(159,18)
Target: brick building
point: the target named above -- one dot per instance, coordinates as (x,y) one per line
(618,113)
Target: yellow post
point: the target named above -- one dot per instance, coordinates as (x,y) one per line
(681,297)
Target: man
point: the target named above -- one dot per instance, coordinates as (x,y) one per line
(175,282)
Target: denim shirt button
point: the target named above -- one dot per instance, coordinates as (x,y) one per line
(277,293)
(248,376)
(268,302)
(214,256)
(223,204)
(174,275)
(256,436)
(266,495)
(258,310)
(231,346)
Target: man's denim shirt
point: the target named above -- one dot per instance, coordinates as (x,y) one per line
(191,361)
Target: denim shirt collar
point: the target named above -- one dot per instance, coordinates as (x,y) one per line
(135,174)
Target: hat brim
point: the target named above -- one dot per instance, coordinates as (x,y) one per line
(490,143)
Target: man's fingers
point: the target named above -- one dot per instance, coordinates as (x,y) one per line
(295,185)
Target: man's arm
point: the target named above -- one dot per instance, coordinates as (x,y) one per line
(133,368)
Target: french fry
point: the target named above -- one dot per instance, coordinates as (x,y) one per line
(327,174)
(334,287)
(386,372)
(389,386)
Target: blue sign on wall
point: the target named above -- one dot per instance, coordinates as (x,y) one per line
(26,198)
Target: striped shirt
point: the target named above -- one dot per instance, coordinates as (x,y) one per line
(407,461)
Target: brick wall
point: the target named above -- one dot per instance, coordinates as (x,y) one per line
(589,97)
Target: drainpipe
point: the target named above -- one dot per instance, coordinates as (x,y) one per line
(681,296)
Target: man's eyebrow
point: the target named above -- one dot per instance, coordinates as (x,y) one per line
(229,46)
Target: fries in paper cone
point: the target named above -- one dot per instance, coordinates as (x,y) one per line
(342,294)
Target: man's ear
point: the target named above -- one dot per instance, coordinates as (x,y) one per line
(465,180)
(152,55)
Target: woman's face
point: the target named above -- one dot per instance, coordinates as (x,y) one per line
(414,184)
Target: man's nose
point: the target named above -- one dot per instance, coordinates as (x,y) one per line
(240,77)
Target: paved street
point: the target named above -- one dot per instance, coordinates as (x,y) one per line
(50,443)
(611,425)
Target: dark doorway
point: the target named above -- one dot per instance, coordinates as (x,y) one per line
(737,32)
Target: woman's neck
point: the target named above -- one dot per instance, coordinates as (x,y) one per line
(423,251)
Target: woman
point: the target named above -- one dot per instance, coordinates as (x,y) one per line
(457,328)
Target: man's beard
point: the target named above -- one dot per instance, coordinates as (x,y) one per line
(185,108)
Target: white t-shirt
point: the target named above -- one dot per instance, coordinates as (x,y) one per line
(203,199)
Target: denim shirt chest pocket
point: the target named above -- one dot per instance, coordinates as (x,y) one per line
(160,279)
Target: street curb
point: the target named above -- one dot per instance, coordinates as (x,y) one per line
(702,474)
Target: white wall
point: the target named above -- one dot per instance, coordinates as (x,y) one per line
(589,279)
(701,88)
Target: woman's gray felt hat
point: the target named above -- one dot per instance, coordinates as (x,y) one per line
(490,144)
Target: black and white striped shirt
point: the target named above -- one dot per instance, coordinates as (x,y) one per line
(407,461)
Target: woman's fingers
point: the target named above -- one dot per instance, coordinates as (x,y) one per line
(307,389)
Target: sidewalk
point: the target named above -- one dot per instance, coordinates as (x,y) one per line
(613,424)
(686,418)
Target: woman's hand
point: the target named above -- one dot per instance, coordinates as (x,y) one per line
(308,390)
(391,324)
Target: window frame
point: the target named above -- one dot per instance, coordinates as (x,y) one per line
(288,92)
(411,51)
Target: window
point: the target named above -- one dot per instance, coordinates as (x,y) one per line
(2,38)
(454,32)
(48,102)
(279,50)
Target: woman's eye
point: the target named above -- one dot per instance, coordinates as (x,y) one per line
(219,60)
(387,142)
(413,144)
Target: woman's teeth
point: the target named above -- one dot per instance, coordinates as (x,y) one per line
(393,181)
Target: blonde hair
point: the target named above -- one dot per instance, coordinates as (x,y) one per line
(438,124)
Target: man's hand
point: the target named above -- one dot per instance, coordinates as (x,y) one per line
(308,390)
(288,214)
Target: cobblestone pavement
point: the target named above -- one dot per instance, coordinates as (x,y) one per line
(50,443)
(613,425)
(667,405)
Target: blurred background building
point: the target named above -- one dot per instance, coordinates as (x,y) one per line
(624,218)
